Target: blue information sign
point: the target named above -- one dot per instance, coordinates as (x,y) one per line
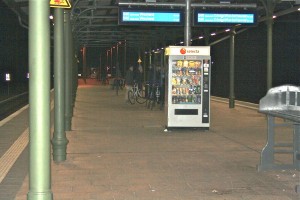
(224,18)
(150,17)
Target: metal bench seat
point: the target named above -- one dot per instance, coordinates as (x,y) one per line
(281,102)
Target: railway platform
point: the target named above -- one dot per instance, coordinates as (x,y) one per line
(118,151)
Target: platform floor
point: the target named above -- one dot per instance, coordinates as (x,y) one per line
(118,151)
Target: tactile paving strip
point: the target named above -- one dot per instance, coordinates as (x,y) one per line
(12,154)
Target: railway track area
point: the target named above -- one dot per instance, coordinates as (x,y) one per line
(12,104)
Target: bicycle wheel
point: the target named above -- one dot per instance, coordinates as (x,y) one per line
(141,98)
(131,97)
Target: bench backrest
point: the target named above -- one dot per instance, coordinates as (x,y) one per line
(286,97)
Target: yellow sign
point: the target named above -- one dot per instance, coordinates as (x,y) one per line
(60,4)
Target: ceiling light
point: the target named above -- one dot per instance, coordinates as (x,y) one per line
(212,34)
(200,37)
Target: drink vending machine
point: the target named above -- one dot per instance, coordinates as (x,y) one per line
(187,95)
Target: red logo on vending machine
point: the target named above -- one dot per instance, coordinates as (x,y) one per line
(183,51)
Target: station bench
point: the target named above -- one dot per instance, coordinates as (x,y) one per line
(281,102)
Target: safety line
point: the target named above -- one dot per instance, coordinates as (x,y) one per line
(15,150)
(13,153)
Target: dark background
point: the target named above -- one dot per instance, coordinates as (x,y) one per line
(250,57)
(251,60)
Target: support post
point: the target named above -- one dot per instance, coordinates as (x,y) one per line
(125,58)
(68,67)
(269,6)
(231,70)
(187,24)
(84,63)
(39,101)
(59,140)
(75,78)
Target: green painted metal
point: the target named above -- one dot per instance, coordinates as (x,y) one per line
(187,23)
(269,53)
(39,101)
(231,69)
(71,76)
(59,140)
(68,70)
(270,10)
(84,63)
(75,79)
(125,58)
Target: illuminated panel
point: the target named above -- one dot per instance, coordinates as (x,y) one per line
(150,17)
(224,18)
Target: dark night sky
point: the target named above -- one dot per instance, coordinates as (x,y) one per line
(14,45)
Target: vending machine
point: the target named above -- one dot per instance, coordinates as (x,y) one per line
(187,95)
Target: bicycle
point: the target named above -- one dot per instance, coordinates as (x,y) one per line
(118,84)
(154,96)
(136,95)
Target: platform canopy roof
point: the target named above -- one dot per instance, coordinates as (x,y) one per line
(95,22)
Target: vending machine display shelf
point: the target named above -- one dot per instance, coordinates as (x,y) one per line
(186,99)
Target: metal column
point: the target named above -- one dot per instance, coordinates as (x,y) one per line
(84,63)
(231,70)
(59,140)
(68,73)
(125,58)
(39,101)
(187,24)
(75,78)
(270,8)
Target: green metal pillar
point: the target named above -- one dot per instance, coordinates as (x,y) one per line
(150,58)
(39,101)
(72,71)
(68,70)
(84,63)
(187,24)
(125,57)
(270,9)
(144,64)
(59,140)
(206,36)
(75,77)
(231,70)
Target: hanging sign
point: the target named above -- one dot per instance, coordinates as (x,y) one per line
(60,4)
